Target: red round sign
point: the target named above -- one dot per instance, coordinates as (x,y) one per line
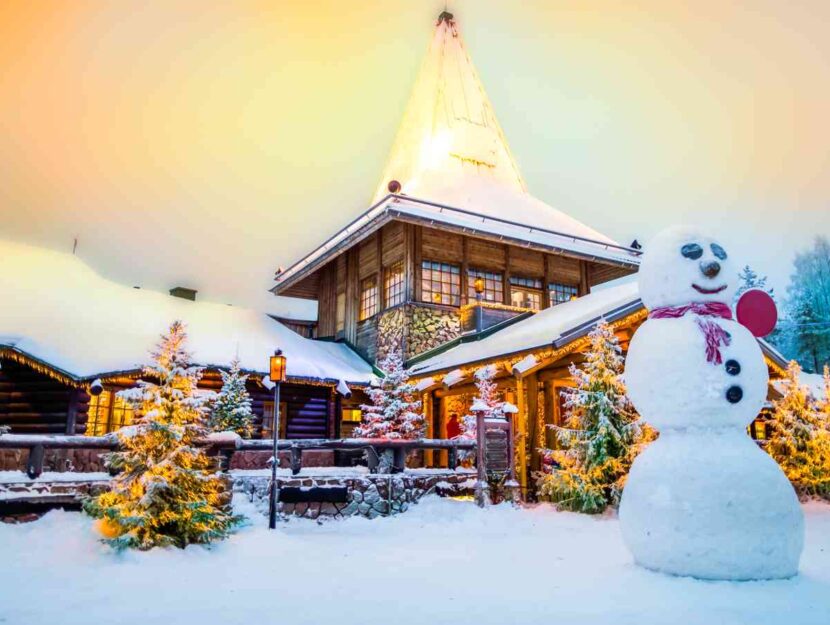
(757,312)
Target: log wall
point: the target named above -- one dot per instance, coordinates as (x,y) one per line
(34,403)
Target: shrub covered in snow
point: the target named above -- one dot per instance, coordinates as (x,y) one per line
(166,492)
(800,437)
(231,412)
(601,436)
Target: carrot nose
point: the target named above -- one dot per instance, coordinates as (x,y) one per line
(710,269)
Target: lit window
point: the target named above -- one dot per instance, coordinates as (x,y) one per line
(351,415)
(341,312)
(368,298)
(107,413)
(393,284)
(268,419)
(526,292)
(440,283)
(493,285)
(561,293)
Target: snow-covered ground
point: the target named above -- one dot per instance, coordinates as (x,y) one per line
(444,562)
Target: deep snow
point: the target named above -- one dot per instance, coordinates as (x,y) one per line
(444,562)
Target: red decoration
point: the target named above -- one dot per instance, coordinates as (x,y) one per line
(757,312)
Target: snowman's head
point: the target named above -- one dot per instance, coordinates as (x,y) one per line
(683,265)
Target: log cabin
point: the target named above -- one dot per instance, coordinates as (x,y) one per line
(67,333)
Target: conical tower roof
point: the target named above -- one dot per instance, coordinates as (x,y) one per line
(450,148)
(449,131)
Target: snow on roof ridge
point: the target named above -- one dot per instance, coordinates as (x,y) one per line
(64,313)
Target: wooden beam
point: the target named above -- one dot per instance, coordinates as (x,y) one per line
(521,435)
(532,384)
(72,410)
(557,373)
(550,398)
(465,264)
(584,278)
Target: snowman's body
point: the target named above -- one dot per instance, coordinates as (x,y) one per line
(703,499)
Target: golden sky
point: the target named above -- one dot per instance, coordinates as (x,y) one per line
(205,143)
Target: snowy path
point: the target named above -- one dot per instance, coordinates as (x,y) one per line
(444,562)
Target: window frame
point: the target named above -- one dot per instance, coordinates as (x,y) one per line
(368,298)
(451,296)
(493,283)
(560,289)
(528,286)
(394,279)
(118,413)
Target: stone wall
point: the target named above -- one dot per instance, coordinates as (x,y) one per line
(418,328)
(369,496)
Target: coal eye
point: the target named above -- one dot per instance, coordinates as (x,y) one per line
(718,251)
(692,250)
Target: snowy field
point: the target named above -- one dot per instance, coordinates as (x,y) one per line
(443,562)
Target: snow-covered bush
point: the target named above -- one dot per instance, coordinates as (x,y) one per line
(601,436)
(800,435)
(394,412)
(167,492)
(231,411)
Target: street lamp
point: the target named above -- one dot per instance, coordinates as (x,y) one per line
(277,376)
(478,286)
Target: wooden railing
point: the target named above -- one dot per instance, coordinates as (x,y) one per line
(226,448)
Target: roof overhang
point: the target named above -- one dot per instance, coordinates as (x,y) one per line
(431,214)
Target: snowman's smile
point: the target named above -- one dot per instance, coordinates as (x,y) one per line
(700,289)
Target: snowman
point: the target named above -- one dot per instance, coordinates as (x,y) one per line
(703,499)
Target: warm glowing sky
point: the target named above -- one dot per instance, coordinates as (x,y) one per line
(204,143)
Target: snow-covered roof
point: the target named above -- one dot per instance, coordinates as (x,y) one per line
(549,327)
(813,381)
(455,168)
(58,310)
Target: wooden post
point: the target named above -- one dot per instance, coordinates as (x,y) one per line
(296,459)
(426,405)
(521,435)
(584,278)
(442,433)
(34,465)
(551,441)
(532,384)
(72,410)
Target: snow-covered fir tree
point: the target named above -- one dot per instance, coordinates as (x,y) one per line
(748,279)
(231,411)
(601,436)
(486,400)
(167,491)
(394,412)
(800,436)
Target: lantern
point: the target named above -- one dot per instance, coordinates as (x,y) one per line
(278,367)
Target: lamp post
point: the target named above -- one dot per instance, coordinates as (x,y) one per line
(277,376)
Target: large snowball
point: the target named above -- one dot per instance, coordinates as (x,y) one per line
(672,385)
(711,505)
(668,278)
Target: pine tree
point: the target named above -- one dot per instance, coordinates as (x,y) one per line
(394,412)
(749,279)
(487,401)
(602,434)
(231,412)
(167,492)
(807,308)
(800,437)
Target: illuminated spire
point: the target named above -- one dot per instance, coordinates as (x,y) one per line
(449,135)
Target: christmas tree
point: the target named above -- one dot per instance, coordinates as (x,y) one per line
(800,437)
(394,412)
(487,401)
(231,412)
(167,491)
(602,436)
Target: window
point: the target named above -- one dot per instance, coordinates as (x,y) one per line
(393,284)
(352,415)
(268,419)
(526,293)
(107,413)
(341,313)
(493,285)
(440,283)
(561,293)
(368,298)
